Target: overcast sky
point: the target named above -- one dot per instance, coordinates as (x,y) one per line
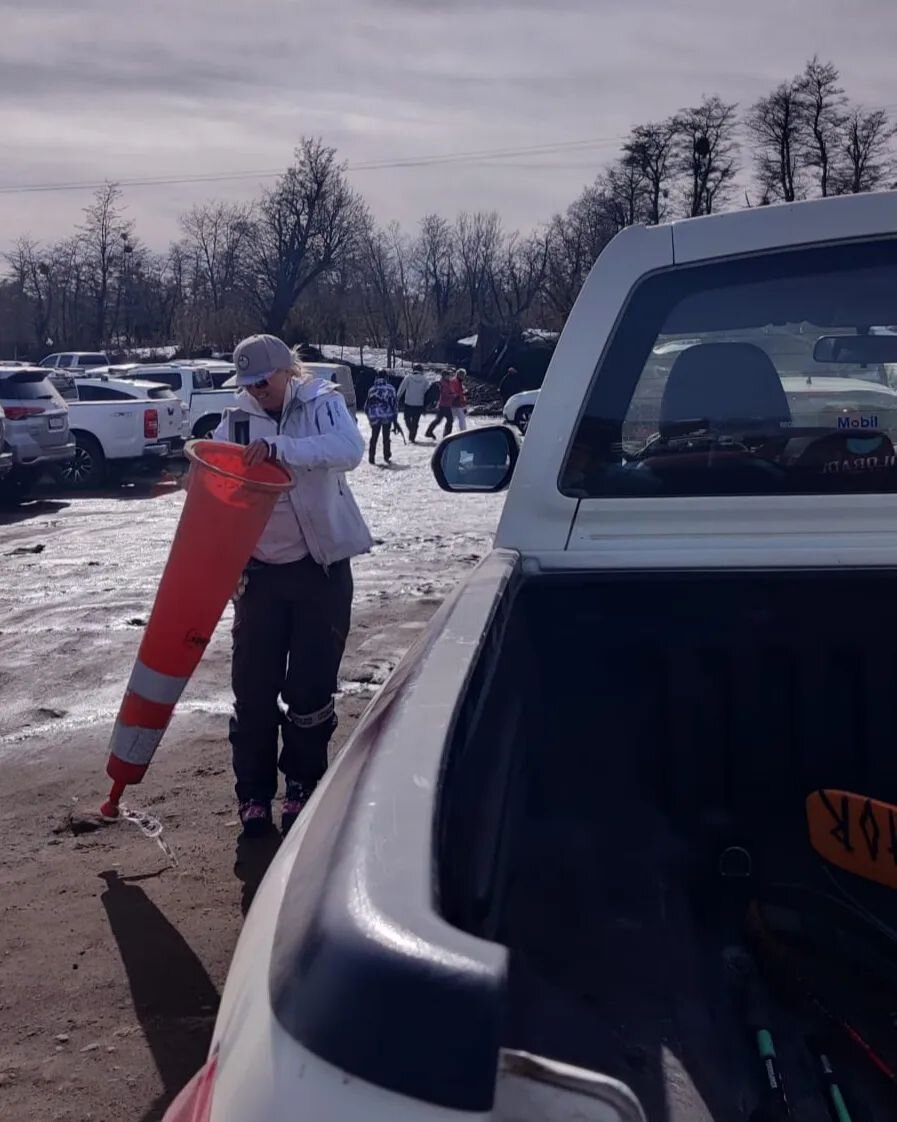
(123,89)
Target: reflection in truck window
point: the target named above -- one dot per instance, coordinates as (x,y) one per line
(725,379)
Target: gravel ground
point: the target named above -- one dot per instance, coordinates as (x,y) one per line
(112,960)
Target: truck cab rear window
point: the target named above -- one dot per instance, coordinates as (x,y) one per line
(773,374)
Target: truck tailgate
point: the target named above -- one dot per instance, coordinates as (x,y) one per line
(171,414)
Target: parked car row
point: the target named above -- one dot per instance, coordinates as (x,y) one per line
(119,425)
(88,422)
(85,428)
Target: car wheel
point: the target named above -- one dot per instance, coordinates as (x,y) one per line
(204,428)
(87,468)
(522,416)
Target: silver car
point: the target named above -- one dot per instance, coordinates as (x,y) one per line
(37,428)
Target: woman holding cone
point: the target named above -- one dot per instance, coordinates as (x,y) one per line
(294,603)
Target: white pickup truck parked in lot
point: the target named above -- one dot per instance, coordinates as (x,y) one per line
(545,835)
(194,385)
(120,426)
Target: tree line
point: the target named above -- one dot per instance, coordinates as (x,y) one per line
(306,259)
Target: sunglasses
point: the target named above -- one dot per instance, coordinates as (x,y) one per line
(257,387)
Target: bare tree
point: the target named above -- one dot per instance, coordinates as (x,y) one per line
(823,119)
(303,226)
(160,298)
(217,232)
(188,313)
(624,194)
(518,276)
(106,240)
(435,252)
(477,237)
(33,281)
(574,241)
(382,299)
(867,150)
(71,319)
(707,154)
(16,337)
(774,124)
(411,282)
(650,151)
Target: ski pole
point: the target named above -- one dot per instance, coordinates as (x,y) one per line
(830,1082)
(757,926)
(773,1105)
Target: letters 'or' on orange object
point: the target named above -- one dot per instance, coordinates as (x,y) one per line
(855,833)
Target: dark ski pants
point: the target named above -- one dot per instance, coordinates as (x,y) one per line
(442,414)
(384,427)
(290,630)
(412,415)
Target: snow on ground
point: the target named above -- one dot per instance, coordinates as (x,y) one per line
(71,613)
(375,357)
(142,353)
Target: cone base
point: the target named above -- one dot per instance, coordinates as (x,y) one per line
(120,771)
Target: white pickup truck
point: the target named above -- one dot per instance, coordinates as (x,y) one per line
(536,884)
(194,385)
(121,426)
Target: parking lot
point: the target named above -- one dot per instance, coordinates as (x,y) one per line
(113,959)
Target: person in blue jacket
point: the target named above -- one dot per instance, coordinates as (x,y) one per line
(382,409)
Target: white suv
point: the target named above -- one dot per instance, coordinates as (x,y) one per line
(76,360)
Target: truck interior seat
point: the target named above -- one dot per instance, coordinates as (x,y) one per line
(726,384)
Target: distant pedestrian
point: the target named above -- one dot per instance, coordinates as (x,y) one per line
(511,383)
(412,396)
(459,408)
(382,412)
(448,390)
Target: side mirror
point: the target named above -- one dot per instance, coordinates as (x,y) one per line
(476,460)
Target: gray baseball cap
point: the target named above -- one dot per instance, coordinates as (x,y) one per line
(257,357)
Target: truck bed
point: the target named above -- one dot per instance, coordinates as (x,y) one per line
(624,734)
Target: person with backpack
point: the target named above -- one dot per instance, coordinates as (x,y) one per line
(412,397)
(382,412)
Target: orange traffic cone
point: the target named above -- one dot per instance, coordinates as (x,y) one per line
(228,505)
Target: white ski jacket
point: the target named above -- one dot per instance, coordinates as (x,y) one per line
(413,390)
(318,441)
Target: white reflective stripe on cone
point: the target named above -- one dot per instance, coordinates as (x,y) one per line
(134,745)
(154,685)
